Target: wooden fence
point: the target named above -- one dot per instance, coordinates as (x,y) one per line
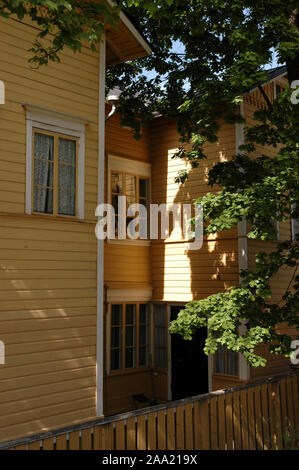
(258,416)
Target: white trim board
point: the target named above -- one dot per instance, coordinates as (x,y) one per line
(100,243)
(52,121)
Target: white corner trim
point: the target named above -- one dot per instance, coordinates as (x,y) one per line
(132,29)
(129,295)
(244,369)
(100,243)
(40,118)
(2,92)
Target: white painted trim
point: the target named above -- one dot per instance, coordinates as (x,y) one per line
(2,92)
(100,243)
(169,365)
(129,295)
(38,112)
(132,29)
(244,369)
(35,119)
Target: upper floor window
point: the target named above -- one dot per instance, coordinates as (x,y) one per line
(55,174)
(295,226)
(130,179)
(55,162)
(133,187)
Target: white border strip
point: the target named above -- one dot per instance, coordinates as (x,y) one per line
(100,243)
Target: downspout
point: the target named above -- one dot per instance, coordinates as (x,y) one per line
(100,243)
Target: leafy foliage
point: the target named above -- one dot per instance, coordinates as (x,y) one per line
(62,23)
(224,47)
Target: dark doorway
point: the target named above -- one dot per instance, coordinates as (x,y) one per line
(189,364)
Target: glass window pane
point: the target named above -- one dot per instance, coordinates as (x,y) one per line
(43,173)
(43,146)
(115,362)
(142,188)
(130,185)
(143,313)
(116,182)
(160,315)
(130,336)
(143,337)
(67,177)
(115,203)
(66,202)
(130,314)
(43,200)
(67,151)
(130,358)
(115,337)
(116,314)
(143,356)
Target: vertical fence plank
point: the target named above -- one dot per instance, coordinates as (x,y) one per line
(34,445)
(86,439)
(152,432)
(229,421)
(284,413)
(237,420)
(74,440)
(61,442)
(120,435)
(244,420)
(131,434)
(214,423)
(48,444)
(221,423)
(110,436)
(275,423)
(180,434)
(251,419)
(196,425)
(170,429)
(295,401)
(21,447)
(161,424)
(204,425)
(296,410)
(141,432)
(265,416)
(99,438)
(258,419)
(189,426)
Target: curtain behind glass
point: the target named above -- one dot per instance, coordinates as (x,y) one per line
(43,173)
(67,177)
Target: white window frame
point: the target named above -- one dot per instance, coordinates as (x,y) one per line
(60,123)
(127,165)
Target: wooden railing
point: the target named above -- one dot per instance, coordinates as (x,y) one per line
(255,416)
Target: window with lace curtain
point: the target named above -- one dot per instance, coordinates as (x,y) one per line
(54,188)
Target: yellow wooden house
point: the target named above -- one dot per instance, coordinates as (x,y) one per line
(84,322)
